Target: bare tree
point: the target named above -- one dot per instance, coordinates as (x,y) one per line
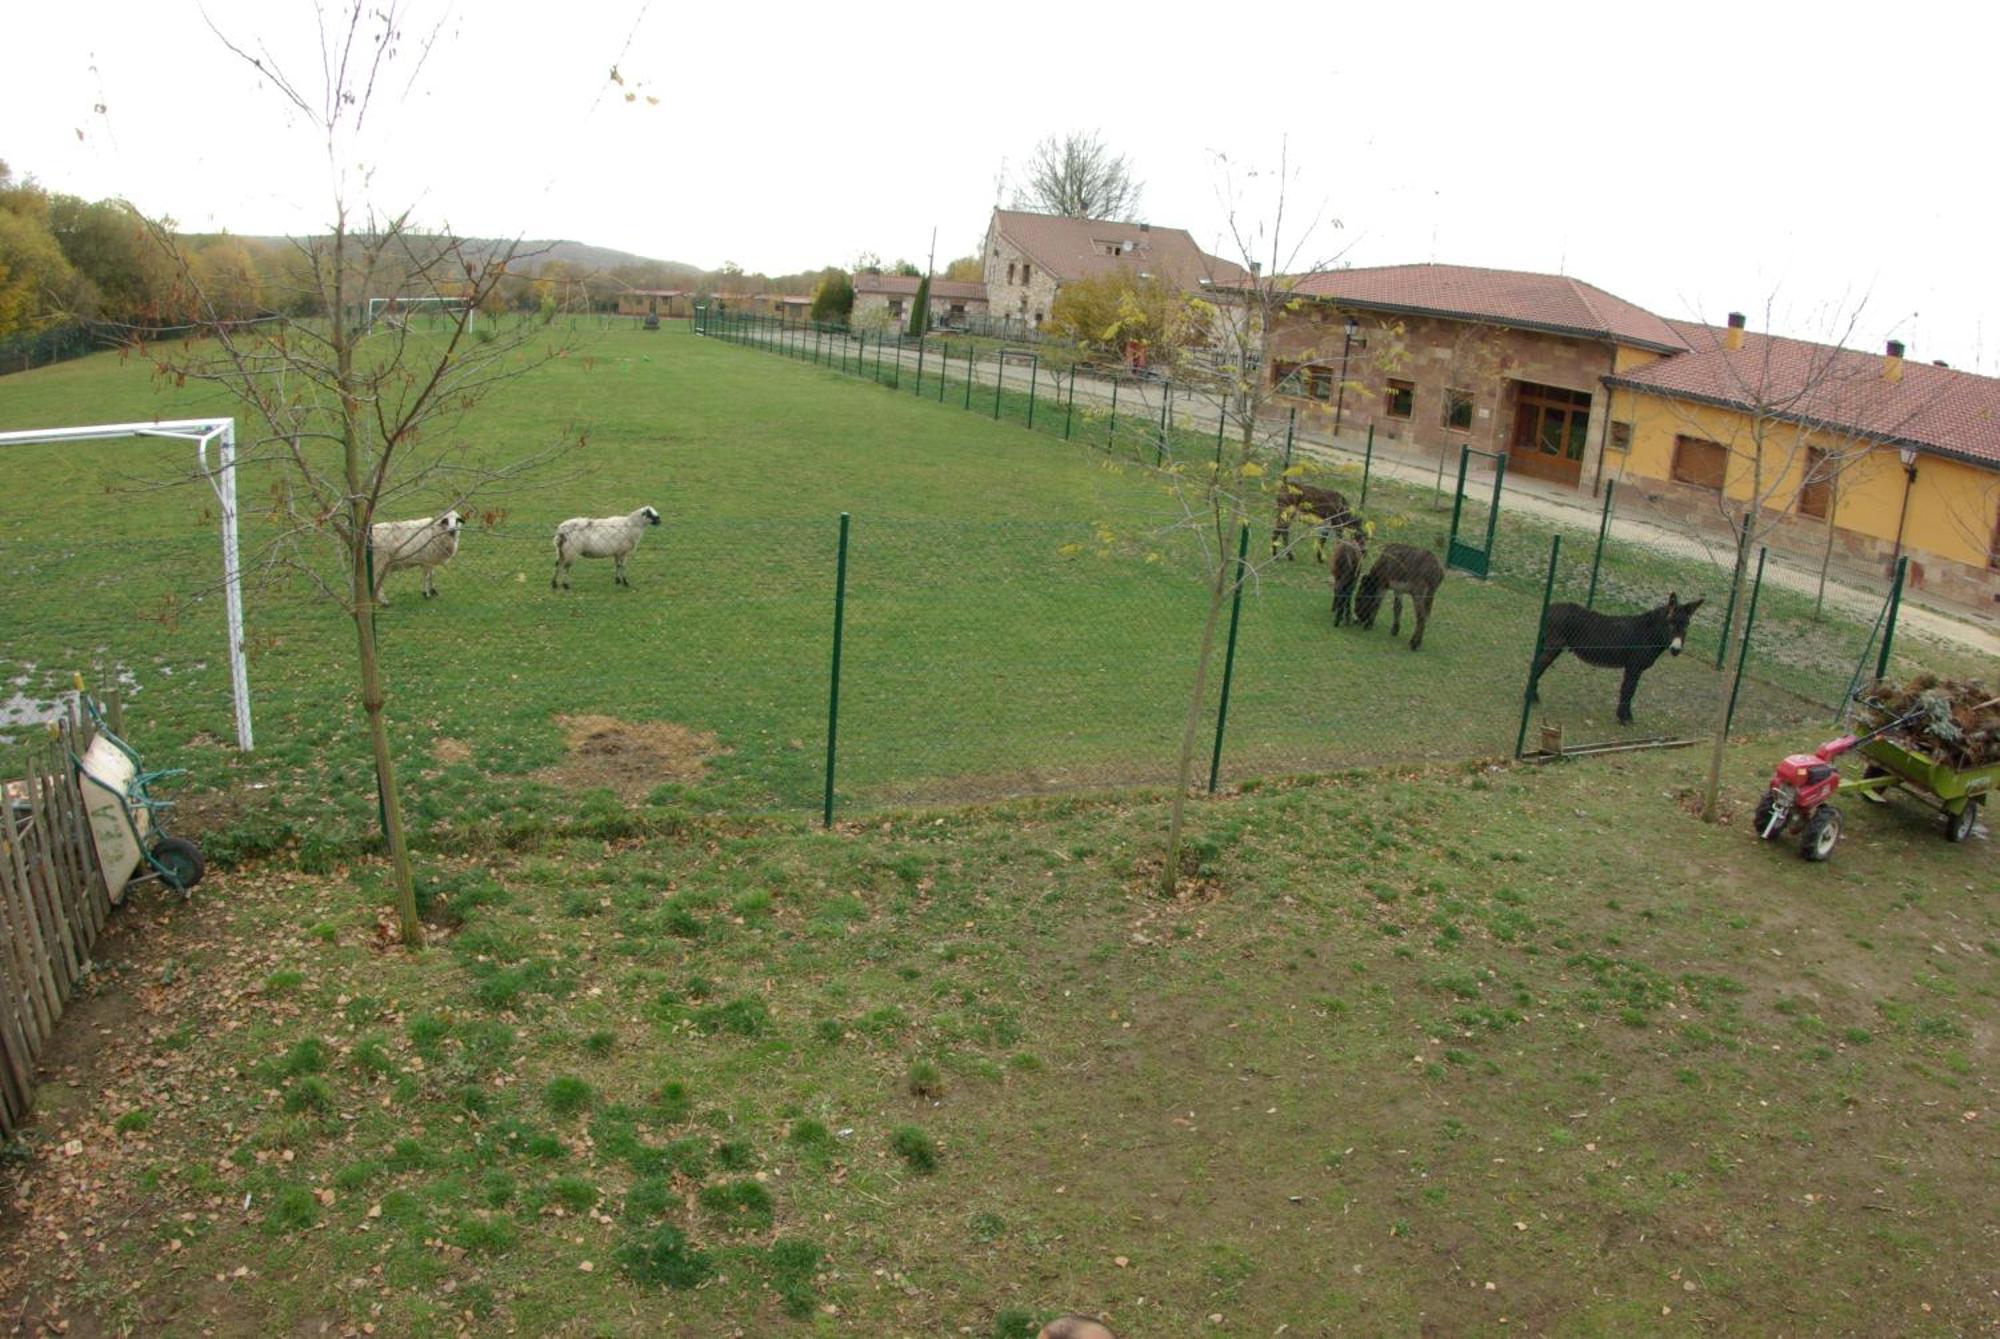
(1794,416)
(1075,175)
(1229,372)
(358,420)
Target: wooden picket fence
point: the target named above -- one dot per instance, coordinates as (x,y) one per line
(52,903)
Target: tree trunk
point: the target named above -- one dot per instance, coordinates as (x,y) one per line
(373,699)
(1226,575)
(360,514)
(1711,789)
(1825,561)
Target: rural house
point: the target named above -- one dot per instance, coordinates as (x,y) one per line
(1029,257)
(1880,456)
(1444,355)
(884,298)
(655,302)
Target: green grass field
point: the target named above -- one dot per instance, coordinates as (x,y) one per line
(1465,1050)
(1022,613)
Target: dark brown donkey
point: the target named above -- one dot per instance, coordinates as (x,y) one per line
(1348,556)
(1403,569)
(1324,509)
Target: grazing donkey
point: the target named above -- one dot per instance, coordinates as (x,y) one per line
(1403,569)
(1348,555)
(1324,509)
(1631,642)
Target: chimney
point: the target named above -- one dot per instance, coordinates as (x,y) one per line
(1256,268)
(1892,365)
(1145,227)
(1733,339)
(1939,362)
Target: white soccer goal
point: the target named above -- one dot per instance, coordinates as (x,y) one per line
(221,476)
(404,305)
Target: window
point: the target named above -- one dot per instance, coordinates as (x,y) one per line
(1038,320)
(1621,436)
(1458,410)
(1319,382)
(1010,271)
(1700,463)
(1993,552)
(1816,489)
(1285,376)
(1400,400)
(895,306)
(1024,272)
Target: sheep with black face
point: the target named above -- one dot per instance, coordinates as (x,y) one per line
(613,537)
(429,544)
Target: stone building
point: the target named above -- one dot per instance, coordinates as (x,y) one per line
(882,299)
(1029,257)
(1445,355)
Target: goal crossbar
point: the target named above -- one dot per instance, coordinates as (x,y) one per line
(221,476)
(375,306)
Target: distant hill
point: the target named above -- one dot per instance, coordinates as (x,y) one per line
(598,259)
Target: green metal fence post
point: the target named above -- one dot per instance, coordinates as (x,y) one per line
(944,367)
(1291,423)
(1597,558)
(1861,665)
(1458,497)
(897,384)
(1166,417)
(971,352)
(919,388)
(1111,435)
(833,689)
(1034,375)
(1493,511)
(1541,629)
(1743,647)
(1069,408)
(1729,614)
(878,360)
(1368,468)
(1895,608)
(1229,656)
(1221,424)
(815,346)
(999,379)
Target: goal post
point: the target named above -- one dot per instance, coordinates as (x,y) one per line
(376,305)
(221,476)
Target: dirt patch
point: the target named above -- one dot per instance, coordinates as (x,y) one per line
(629,757)
(449,752)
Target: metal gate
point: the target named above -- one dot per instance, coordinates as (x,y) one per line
(1462,553)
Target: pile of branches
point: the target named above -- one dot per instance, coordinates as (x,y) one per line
(1959,724)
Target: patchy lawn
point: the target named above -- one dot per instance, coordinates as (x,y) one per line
(1425,1052)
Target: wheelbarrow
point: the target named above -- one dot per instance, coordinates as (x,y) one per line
(132,844)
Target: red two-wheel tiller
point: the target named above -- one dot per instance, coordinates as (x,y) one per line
(1797,798)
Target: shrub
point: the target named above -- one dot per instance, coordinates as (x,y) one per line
(310,1094)
(664,1259)
(741,1204)
(567,1095)
(914,1147)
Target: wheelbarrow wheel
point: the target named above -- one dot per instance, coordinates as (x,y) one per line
(181,865)
(1959,826)
(1822,833)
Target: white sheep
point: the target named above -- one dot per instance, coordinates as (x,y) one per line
(428,544)
(613,537)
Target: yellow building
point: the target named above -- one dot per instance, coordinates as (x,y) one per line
(1881,456)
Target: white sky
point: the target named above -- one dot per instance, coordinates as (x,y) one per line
(1692,158)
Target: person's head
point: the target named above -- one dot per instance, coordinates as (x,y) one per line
(1076,1327)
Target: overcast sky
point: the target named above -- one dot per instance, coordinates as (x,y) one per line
(1692,158)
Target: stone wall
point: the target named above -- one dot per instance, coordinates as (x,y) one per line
(1027,301)
(1437,355)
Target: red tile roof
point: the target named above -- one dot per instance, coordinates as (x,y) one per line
(1938,409)
(1081,249)
(904,285)
(655,292)
(1550,302)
